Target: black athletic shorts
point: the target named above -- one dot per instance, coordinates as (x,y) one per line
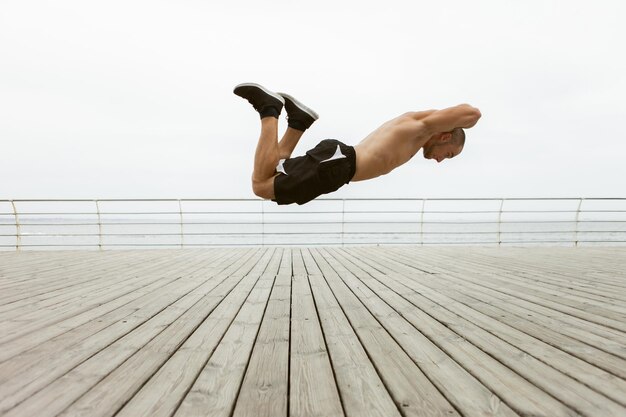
(321,170)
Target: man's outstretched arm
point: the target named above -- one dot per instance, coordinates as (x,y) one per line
(446,120)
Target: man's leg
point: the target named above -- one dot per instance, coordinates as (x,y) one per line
(268,153)
(288,143)
(266,158)
(269,106)
(299,118)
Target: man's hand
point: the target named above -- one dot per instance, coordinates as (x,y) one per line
(446,120)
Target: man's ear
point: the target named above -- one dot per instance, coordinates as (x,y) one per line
(445,136)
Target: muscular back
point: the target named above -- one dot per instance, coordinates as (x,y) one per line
(398,140)
(391,145)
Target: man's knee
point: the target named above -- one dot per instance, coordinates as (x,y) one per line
(257,189)
(263,189)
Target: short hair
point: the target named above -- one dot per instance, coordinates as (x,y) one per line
(458,136)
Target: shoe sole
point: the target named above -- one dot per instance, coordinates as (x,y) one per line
(301,106)
(265,90)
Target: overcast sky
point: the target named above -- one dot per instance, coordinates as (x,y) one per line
(133,99)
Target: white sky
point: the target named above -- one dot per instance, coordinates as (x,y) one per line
(133,99)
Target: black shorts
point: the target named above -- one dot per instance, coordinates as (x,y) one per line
(321,170)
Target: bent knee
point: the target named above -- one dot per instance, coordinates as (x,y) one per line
(264,189)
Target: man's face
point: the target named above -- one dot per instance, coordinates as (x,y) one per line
(440,148)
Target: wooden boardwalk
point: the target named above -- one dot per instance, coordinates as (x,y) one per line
(370,331)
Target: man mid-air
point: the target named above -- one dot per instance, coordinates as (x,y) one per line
(331,163)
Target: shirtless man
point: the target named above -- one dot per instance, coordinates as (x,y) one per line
(331,163)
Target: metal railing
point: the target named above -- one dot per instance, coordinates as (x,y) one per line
(126,223)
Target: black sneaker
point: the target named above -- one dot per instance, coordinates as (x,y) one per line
(299,116)
(266,102)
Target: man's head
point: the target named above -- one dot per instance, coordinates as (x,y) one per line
(444,145)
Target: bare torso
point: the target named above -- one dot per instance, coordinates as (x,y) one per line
(389,146)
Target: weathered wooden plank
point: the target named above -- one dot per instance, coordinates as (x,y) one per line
(138,353)
(41,285)
(55,272)
(48,300)
(548,267)
(215,390)
(592,376)
(602,305)
(475,277)
(165,390)
(558,270)
(463,390)
(564,334)
(17,266)
(414,394)
(465,324)
(516,391)
(22,377)
(535,273)
(67,273)
(116,388)
(265,387)
(48,317)
(578,310)
(313,391)
(64,333)
(362,391)
(564,387)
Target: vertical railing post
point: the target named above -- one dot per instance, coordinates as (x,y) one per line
(500,221)
(182,232)
(262,224)
(18,237)
(580,202)
(99,225)
(343,219)
(422,223)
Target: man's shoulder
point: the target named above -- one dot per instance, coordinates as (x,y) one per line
(413,122)
(419,115)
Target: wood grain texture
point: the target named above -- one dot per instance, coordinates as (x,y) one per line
(287,331)
(362,391)
(313,391)
(265,386)
(412,391)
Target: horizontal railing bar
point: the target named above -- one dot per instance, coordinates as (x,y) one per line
(317,212)
(325,222)
(478,232)
(564,241)
(319,199)
(321,243)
